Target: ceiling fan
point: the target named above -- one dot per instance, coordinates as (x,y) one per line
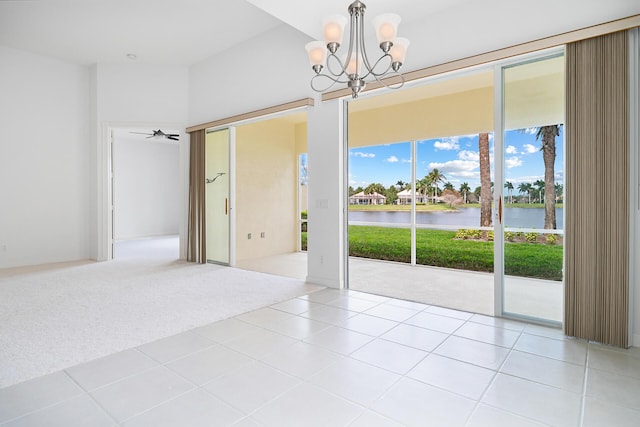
(159,134)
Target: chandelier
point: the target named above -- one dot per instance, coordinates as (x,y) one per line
(355,67)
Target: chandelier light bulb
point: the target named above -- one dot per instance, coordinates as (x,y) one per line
(398,51)
(386,26)
(317,53)
(334,29)
(354,65)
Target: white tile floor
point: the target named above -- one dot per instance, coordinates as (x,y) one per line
(343,358)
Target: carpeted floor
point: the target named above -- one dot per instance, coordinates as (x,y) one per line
(53,317)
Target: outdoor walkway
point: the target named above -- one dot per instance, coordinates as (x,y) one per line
(458,289)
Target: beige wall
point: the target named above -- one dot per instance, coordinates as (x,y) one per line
(301,137)
(460,113)
(266,189)
(461,106)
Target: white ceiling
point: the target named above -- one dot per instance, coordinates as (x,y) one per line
(184,32)
(170,32)
(309,18)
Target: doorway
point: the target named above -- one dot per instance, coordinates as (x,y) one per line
(146,191)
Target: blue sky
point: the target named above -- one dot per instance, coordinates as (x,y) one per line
(455,157)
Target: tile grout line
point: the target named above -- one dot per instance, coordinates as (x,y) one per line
(583,397)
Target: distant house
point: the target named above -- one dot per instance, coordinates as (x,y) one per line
(405,197)
(367,199)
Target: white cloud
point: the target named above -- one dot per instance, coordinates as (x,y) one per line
(529,149)
(512,162)
(456,168)
(405,161)
(469,155)
(447,144)
(511,150)
(363,155)
(392,159)
(531,131)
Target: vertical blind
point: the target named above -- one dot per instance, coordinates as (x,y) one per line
(196,235)
(597,180)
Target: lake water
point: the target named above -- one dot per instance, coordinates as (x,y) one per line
(467,217)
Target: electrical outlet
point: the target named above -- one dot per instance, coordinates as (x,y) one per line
(262,235)
(3,248)
(249,236)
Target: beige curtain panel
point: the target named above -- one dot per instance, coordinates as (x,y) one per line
(196,235)
(597,182)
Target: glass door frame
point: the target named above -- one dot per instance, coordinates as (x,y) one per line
(231,191)
(498,196)
(498,172)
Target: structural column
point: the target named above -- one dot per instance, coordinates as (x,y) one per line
(325,146)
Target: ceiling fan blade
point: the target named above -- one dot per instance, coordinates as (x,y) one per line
(142,133)
(173,137)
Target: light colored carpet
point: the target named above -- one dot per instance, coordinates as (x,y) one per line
(53,317)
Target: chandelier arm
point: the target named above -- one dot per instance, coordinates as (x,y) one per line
(365,59)
(342,66)
(388,75)
(333,82)
(387,70)
(352,29)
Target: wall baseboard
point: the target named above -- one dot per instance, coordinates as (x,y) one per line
(329,283)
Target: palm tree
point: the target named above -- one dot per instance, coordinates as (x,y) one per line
(559,190)
(540,187)
(485,180)
(547,134)
(509,186)
(401,185)
(449,186)
(525,187)
(375,188)
(422,186)
(464,189)
(435,177)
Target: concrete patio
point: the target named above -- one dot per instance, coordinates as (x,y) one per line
(458,289)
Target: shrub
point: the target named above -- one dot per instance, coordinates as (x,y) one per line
(461,234)
(531,237)
(490,236)
(475,234)
(552,239)
(509,236)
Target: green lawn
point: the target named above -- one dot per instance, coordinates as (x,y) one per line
(441,207)
(439,248)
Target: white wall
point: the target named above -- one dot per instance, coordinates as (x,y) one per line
(142,93)
(268,70)
(147,188)
(44,172)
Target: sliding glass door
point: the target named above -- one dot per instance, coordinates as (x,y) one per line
(217,196)
(530,196)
